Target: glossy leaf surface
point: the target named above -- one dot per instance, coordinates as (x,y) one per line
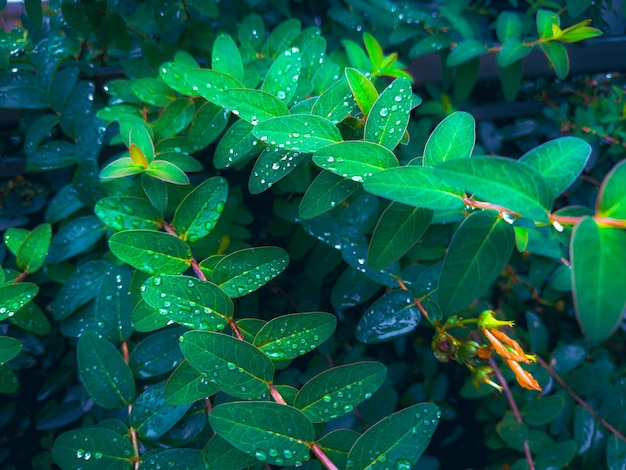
(363,90)
(453,137)
(389,115)
(298,132)
(93,448)
(325,192)
(14,296)
(253,106)
(128,213)
(34,249)
(355,159)
(187,385)
(612,198)
(392,315)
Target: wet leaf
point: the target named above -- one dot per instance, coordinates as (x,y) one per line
(454,137)
(156,354)
(254,106)
(225,56)
(389,115)
(355,159)
(282,77)
(92,449)
(336,102)
(298,132)
(325,192)
(128,213)
(34,249)
(392,315)
(187,385)
(271,166)
(14,296)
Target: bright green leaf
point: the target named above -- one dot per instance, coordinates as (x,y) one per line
(389,115)
(281,79)
(34,249)
(298,132)
(336,102)
(363,90)
(237,145)
(271,166)
(557,57)
(611,201)
(225,56)
(454,137)
(168,172)
(14,296)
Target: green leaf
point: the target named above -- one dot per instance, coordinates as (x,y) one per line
(93,449)
(399,228)
(560,162)
(479,250)
(271,166)
(557,56)
(225,56)
(253,106)
(208,123)
(363,90)
(543,410)
(336,445)
(512,432)
(336,102)
(356,160)
(290,336)
(546,19)
(20,90)
(34,11)
(31,318)
(33,250)
(389,116)
(219,453)
(511,79)
(14,296)
(82,286)
(152,252)
(398,439)
(615,453)
(415,186)
(14,238)
(501,181)
(392,315)
(356,55)
(281,37)
(168,172)
(188,301)
(8,380)
(128,213)
(152,91)
(252,31)
(273,433)
(103,371)
(236,367)
(113,306)
(281,79)
(174,118)
(325,192)
(52,155)
(512,50)
(509,25)
(355,255)
(9,348)
(298,132)
(244,271)
(454,137)
(187,385)
(599,278)
(144,318)
(465,51)
(152,416)
(183,458)
(337,391)
(199,212)
(120,168)
(237,145)
(156,354)
(156,191)
(611,200)
(193,81)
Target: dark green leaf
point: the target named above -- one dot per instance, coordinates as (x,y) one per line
(336,445)
(153,91)
(187,385)
(104,372)
(8,379)
(20,90)
(337,391)
(113,305)
(415,186)
(9,348)
(290,336)
(188,301)
(144,318)
(511,79)
(156,354)
(219,453)
(512,432)
(35,12)
(615,453)
(76,236)
(82,286)
(398,440)
(355,255)
(298,132)
(14,296)
(559,161)
(236,367)
(152,416)
(336,102)
(253,106)
(271,432)
(174,118)
(356,160)
(244,271)
(52,155)
(389,115)
(612,197)
(465,51)
(182,459)
(128,213)
(599,278)
(399,228)
(33,250)
(501,181)
(479,250)
(152,252)
(454,137)
(198,213)
(31,318)
(209,122)
(509,25)
(543,410)
(325,192)
(392,315)
(93,449)
(271,166)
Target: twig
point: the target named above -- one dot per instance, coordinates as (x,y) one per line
(133,432)
(579,400)
(514,408)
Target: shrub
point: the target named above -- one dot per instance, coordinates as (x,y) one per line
(174,246)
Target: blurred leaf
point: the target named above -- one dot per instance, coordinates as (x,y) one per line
(8,380)
(615,453)
(599,278)
(511,79)
(152,252)
(399,439)
(271,432)
(501,181)
(290,336)
(454,137)
(392,315)
(512,51)
(546,19)
(298,132)
(478,252)
(14,296)
(20,90)
(9,348)
(335,103)
(225,56)
(236,367)
(198,213)
(508,25)
(465,51)
(188,301)
(325,192)
(543,410)
(104,372)
(389,115)
(244,271)
(612,197)
(93,448)
(559,161)
(399,228)
(511,432)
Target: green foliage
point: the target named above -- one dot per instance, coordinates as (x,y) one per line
(178,314)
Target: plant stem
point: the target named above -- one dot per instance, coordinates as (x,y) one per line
(278,398)
(319,453)
(579,400)
(133,432)
(514,408)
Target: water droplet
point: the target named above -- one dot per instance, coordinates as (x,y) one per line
(260,455)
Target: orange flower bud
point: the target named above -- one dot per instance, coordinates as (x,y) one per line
(523,377)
